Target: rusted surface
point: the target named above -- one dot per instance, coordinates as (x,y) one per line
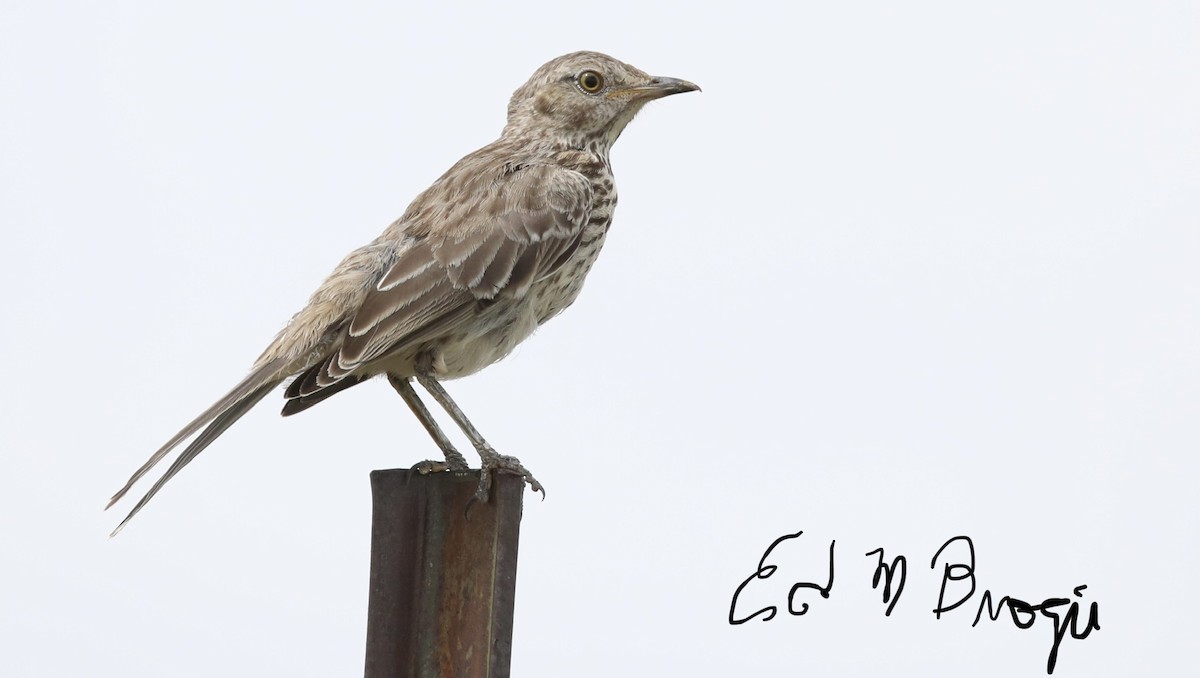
(443,575)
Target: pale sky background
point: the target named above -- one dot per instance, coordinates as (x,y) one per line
(903,271)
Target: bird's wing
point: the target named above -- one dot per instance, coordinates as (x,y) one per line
(528,224)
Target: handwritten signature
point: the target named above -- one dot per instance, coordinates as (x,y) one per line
(958,572)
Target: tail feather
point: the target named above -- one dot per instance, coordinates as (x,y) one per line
(266,374)
(299,403)
(218,426)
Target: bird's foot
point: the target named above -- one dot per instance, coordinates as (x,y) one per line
(454,462)
(430,466)
(494,462)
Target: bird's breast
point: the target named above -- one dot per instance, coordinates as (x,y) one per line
(503,323)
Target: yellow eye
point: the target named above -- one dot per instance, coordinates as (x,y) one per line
(590,81)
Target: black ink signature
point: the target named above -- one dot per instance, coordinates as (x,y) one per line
(894,575)
(1023,614)
(887,572)
(764,571)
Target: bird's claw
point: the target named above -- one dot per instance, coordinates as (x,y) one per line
(454,462)
(503,464)
(430,466)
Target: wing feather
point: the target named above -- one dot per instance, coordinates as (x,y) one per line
(449,257)
(524,228)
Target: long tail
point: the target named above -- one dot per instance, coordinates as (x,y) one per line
(220,416)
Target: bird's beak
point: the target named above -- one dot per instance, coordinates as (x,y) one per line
(658,88)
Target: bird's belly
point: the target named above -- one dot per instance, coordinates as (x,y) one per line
(504,326)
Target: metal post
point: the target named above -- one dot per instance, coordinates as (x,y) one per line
(443,575)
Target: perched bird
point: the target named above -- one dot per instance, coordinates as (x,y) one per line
(497,246)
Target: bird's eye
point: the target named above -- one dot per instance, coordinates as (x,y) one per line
(590,81)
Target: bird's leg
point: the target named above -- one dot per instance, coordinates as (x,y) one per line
(491,460)
(454,460)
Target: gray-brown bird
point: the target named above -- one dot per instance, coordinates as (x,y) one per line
(497,246)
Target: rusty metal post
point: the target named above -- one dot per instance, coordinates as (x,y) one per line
(443,576)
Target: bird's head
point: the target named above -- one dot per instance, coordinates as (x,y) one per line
(585,98)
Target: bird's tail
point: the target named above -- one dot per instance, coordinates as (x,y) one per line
(220,416)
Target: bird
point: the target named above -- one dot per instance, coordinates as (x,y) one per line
(494,248)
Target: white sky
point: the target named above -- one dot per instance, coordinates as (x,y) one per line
(902,271)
